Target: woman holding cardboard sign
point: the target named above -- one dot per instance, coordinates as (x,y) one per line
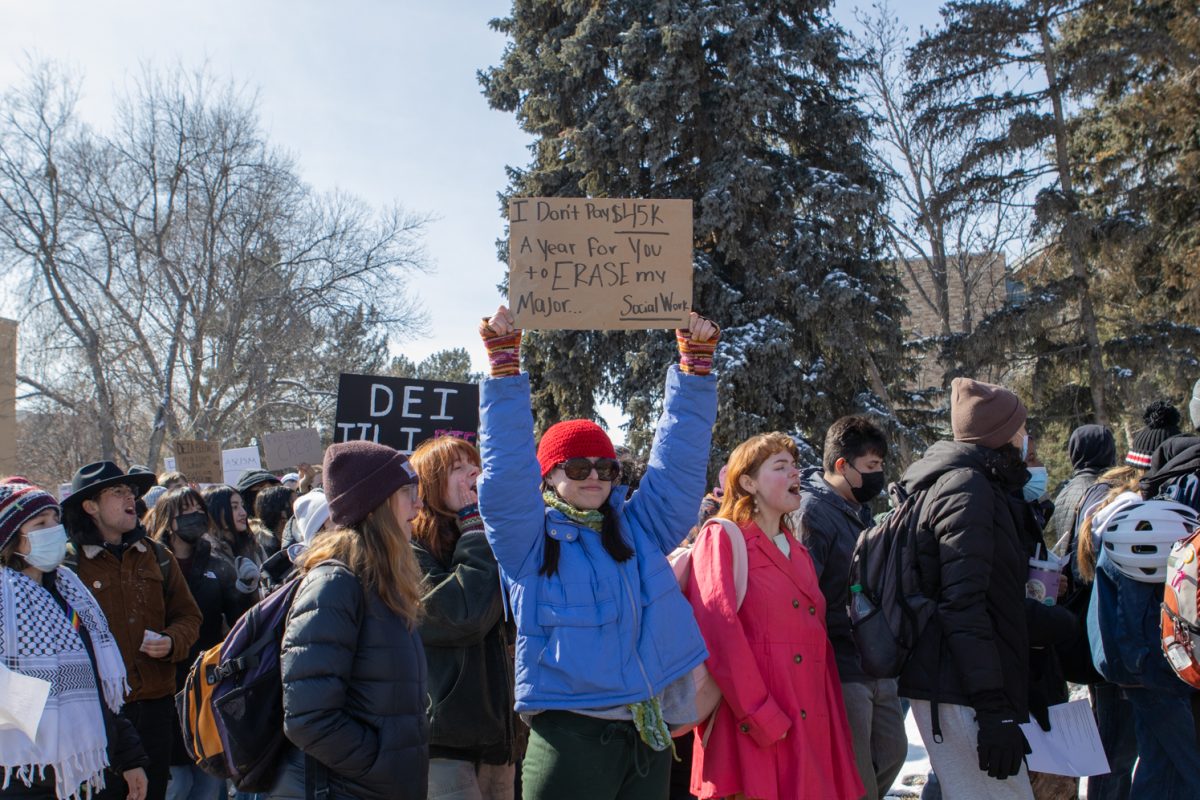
(605,640)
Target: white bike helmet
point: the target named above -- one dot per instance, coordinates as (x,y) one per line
(1139,536)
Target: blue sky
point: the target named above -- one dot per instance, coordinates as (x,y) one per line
(375,98)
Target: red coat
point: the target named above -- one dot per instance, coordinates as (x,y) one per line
(775,667)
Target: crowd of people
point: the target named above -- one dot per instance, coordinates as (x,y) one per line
(537,618)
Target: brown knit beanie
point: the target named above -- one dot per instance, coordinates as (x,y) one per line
(984,414)
(360,477)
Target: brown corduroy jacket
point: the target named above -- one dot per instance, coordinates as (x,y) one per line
(130,591)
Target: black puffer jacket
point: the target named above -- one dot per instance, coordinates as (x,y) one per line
(354,689)
(212,583)
(466,642)
(975,650)
(829,526)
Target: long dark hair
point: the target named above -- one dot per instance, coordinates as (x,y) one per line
(169,506)
(610,537)
(273,507)
(219,500)
(220,508)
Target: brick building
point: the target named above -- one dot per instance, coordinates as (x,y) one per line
(976,285)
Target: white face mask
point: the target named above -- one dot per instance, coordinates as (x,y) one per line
(47,548)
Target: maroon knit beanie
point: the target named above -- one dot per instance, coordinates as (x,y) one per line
(984,414)
(360,477)
(576,438)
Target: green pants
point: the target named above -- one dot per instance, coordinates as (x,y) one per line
(582,758)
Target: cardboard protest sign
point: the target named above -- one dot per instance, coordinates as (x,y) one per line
(403,412)
(580,264)
(237,461)
(199,461)
(288,449)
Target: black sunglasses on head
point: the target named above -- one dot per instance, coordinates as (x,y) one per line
(579,469)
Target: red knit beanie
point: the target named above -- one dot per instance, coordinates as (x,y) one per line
(360,476)
(984,414)
(576,438)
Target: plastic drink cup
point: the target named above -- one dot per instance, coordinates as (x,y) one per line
(1043,581)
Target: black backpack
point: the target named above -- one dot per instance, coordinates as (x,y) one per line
(888,611)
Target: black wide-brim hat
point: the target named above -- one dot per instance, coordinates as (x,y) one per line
(90,480)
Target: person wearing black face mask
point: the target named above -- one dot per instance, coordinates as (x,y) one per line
(180,521)
(833,511)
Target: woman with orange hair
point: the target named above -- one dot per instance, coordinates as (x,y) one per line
(780,731)
(471,720)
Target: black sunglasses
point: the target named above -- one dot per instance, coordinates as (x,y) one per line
(579,469)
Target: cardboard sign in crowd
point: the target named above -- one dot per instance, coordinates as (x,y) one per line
(403,412)
(200,461)
(599,264)
(574,264)
(289,449)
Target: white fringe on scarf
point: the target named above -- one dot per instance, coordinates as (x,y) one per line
(70,737)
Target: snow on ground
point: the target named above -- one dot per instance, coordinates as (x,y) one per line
(916,767)
(912,777)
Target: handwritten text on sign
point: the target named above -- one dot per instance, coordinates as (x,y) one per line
(581,264)
(403,412)
(199,461)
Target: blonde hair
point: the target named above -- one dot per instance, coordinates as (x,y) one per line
(377,551)
(746,459)
(1122,479)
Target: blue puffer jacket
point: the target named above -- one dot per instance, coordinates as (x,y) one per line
(597,633)
(1125,631)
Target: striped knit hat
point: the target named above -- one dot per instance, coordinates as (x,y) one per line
(20,501)
(1162,422)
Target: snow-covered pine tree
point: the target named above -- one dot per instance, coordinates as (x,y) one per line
(743,106)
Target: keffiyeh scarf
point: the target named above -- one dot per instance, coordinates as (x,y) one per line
(39,639)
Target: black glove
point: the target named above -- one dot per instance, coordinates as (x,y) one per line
(1002,745)
(1040,713)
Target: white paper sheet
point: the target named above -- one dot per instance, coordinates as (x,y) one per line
(22,700)
(1071,746)
(237,462)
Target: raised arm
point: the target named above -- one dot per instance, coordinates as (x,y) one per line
(670,491)
(510,496)
(462,601)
